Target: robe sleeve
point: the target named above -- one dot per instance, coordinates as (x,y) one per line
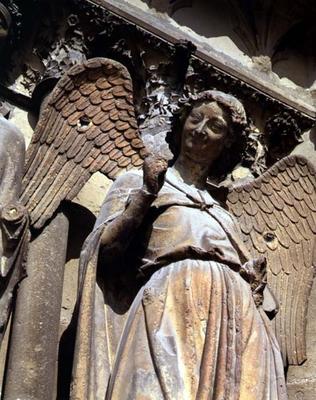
(118,195)
(86,315)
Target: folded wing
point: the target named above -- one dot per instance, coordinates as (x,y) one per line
(88,125)
(277,217)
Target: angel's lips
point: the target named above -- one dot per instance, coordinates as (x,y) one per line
(196,140)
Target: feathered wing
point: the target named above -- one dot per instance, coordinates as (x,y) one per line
(88,125)
(277,217)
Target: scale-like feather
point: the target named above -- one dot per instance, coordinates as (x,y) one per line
(283,228)
(88,125)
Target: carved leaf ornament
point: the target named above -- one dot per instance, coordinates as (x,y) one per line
(88,125)
(277,217)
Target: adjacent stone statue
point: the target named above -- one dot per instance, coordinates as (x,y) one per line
(13,217)
(170,303)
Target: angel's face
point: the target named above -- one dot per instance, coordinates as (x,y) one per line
(205,133)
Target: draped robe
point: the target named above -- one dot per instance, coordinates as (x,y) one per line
(175,320)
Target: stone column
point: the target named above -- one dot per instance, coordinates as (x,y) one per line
(32,361)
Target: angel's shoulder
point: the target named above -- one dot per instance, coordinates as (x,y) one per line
(128,180)
(9,131)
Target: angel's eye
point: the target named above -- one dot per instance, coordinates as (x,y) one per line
(196,117)
(216,126)
(269,237)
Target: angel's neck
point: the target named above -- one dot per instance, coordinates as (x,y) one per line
(191,172)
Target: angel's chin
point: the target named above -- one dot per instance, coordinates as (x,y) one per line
(196,157)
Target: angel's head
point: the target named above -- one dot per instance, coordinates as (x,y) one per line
(212,123)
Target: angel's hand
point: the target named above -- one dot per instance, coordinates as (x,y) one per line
(255,270)
(118,233)
(255,273)
(154,173)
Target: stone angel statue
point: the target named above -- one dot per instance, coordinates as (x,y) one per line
(172,282)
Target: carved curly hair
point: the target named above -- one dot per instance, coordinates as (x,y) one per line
(238,127)
(229,103)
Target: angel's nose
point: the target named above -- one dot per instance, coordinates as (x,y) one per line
(200,128)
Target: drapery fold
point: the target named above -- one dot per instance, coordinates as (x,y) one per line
(191,331)
(194,333)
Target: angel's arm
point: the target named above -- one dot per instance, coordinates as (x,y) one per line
(118,234)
